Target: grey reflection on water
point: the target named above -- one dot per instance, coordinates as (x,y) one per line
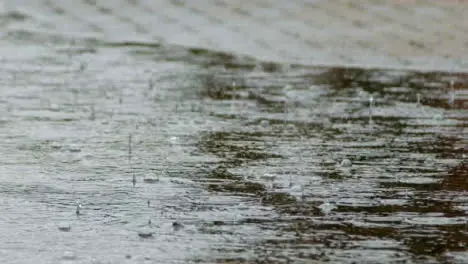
(402,165)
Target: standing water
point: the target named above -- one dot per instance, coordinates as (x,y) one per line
(240,168)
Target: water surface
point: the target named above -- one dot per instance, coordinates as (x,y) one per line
(246,155)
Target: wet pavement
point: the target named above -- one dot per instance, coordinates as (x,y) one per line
(235,160)
(416,35)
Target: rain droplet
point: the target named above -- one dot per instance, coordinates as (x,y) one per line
(452,96)
(92,115)
(78,207)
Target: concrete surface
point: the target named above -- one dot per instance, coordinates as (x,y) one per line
(422,35)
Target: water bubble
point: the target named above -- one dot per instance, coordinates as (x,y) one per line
(291,127)
(150,178)
(173,139)
(145,234)
(296,188)
(287,87)
(147,230)
(439,116)
(346,163)
(64,227)
(74,148)
(55,145)
(268,177)
(68,255)
(327,207)
(264,123)
(54,107)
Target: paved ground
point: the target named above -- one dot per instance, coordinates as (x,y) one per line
(390,34)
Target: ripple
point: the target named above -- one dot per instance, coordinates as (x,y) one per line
(241,160)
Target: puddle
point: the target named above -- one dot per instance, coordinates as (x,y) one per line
(247,156)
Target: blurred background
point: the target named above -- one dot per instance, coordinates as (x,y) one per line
(423,35)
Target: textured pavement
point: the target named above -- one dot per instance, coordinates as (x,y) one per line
(422,35)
